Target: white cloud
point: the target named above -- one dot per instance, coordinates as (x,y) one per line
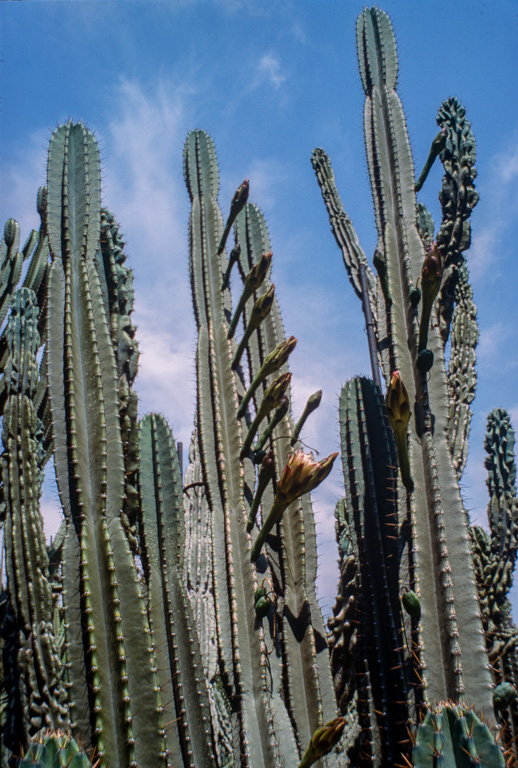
(269,70)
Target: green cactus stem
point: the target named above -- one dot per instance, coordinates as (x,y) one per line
(56,749)
(275,360)
(236,206)
(259,313)
(272,399)
(453,735)
(253,281)
(312,404)
(437,147)
(266,474)
(110,663)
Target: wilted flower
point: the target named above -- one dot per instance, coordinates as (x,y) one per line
(398,404)
(398,410)
(323,741)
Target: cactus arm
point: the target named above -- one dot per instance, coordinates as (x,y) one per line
(462,377)
(439,522)
(241,648)
(11,261)
(117,666)
(178,653)
(27,562)
(458,198)
(308,683)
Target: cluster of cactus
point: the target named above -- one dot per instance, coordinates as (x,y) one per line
(174,621)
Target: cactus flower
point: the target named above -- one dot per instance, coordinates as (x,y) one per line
(398,410)
(301,475)
(323,741)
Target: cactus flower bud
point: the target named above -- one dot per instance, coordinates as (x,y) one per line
(398,410)
(276,419)
(253,281)
(272,399)
(259,312)
(275,360)
(301,475)
(323,741)
(236,206)
(266,473)
(312,404)
(232,259)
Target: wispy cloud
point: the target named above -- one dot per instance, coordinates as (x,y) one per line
(269,71)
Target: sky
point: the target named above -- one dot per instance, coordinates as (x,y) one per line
(269,80)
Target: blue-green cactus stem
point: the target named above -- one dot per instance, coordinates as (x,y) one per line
(280,413)
(232,259)
(259,312)
(266,474)
(453,658)
(179,661)
(453,735)
(437,147)
(272,399)
(11,261)
(260,714)
(254,279)
(306,677)
(110,664)
(272,363)
(56,749)
(236,206)
(312,404)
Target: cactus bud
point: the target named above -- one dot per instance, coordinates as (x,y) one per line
(266,473)
(503,695)
(11,230)
(424,360)
(276,419)
(272,399)
(312,404)
(414,296)
(411,604)
(275,360)
(259,312)
(261,603)
(253,281)
(236,206)
(232,259)
(323,741)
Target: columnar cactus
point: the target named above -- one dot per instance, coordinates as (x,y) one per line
(192,632)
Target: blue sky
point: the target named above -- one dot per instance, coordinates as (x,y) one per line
(269,80)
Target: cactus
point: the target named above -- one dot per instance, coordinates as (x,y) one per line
(55,749)
(175,622)
(453,735)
